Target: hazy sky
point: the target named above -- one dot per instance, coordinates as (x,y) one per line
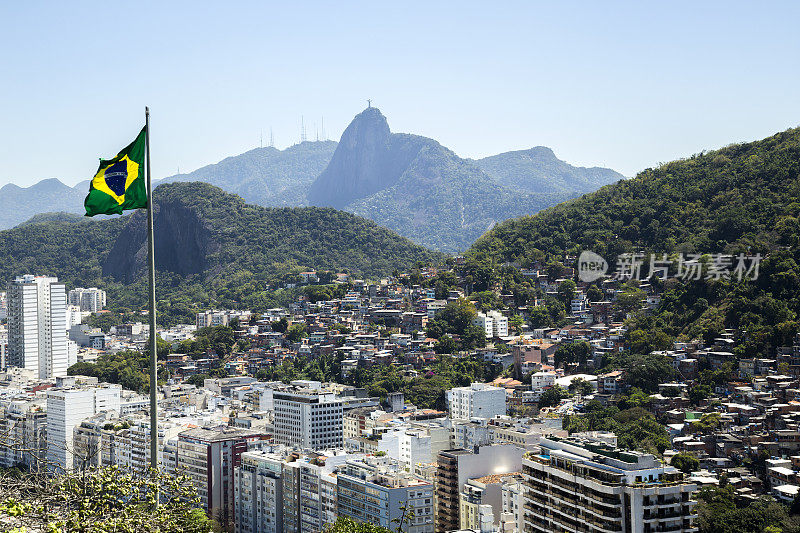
(624,85)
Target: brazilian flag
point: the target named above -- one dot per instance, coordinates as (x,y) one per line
(119,183)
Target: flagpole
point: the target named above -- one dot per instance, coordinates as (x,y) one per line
(151,264)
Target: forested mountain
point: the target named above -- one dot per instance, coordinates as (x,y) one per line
(417,187)
(408,183)
(538,170)
(18,204)
(211,248)
(268,176)
(742,198)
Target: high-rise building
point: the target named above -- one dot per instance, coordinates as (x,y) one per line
(455,467)
(575,485)
(308,419)
(91,299)
(374,490)
(482,501)
(258,493)
(23,424)
(208,456)
(37,325)
(309,491)
(69,404)
(479,400)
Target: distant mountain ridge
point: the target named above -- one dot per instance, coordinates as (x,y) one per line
(538,170)
(18,204)
(268,176)
(409,183)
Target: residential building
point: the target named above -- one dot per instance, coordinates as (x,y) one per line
(499,324)
(375,491)
(308,419)
(69,404)
(309,491)
(208,456)
(455,467)
(478,400)
(37,331)
(481,492)
(258,493)
(23,426)
(573,485)
(486,323)
(91,299)
(221,318)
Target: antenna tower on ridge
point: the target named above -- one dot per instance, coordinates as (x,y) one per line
(302,129)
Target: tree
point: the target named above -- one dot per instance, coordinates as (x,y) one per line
(296,332)
(280,326)
(516,323)
(445,344)
(646,371)
(685,462)
(566,291)
(102,500)
(553,396)
(580,386)
(344,524)
(594,293)
(575,352)
(540,317)
(698,393)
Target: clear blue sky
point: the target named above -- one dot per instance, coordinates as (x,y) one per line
(624,85)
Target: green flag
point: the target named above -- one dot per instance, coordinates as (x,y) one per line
(119,183)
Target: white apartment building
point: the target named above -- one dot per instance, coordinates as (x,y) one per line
(37,325)
(3,306)
(577,485)
(91,299)
(309,490)
(493,323)
(479,400)
(221,318)
(308,419)
(485,322)
(499,324)
(67,407)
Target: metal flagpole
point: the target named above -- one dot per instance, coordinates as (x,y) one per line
(151,264)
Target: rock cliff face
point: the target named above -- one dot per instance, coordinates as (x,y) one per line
(368,159)
(182,244)
(416,186)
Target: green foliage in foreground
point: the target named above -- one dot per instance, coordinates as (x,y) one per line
(101,500)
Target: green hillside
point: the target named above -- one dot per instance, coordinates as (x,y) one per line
(742,198)
(211,249)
